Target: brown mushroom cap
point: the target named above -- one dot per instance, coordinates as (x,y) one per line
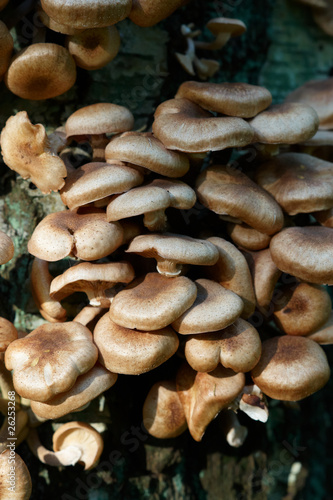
(305,252)
(291,368)
(8,333)
(237,347)
(87,236)
(246,237)
(233,273)
(181,195)
(147,13)
(182,125)
(95,181)
(147,151)
(204,395)
(22,480)
(163,414)
(324,335)
(86,388)
(87,13)
(48,360)
(6,248)
(232,99)
(214,308)
(54,25)
(152,302)
(6,48)
(287,123)
(100,118)
(130,352)
(26,149)
(300,183)
(318,94)
(41,71)
(302,309)
(227,191)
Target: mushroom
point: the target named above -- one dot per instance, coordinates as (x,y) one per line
(246,237)
(234,432)
(17,486)
(8,334)
(223,29)
(27,150)
(6,48)
(6,248)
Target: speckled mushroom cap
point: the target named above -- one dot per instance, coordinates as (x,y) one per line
(171,251)
(48,360)
(182,125)
(85,14)
(100,118)
(6,248)
(41,71)
(246,237)
(86,388)
(23,485)
(147,13)
(305,252)
(181,195)
(300,183)
(302,308)
(6,48)
(152,302)
(132,352)
(8,333)
(97,180)
(147,151)
(232,99)
(26,149)
(214,308)
(287,123)
(92,279)
(163,414)
(204,395)
(232,272)
(319,95)
(291,368)
(227,191)
(237,347)
(87,236)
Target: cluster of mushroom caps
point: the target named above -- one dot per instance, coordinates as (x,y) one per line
(83,34)
(199,302)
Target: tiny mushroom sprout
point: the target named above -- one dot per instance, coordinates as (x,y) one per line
(130,352)
(41,71)
(291,368)
(48,360)
(22,480)
(6,248)
(173,251)
(223,29)
(87,236)
(27,150)
(147,13)
(152,302)
(163,414)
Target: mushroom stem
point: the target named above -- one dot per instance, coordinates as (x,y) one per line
(169,268)
(98,144)
(234,432)
(155,221)
(219,42)
(68,456)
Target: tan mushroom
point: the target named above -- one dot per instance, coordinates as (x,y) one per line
(223,29)
(6,248)
(324,335)
(8,333)
(17,486)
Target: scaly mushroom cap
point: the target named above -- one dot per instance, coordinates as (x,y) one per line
(27,150)
(204,395)
(291,368)
(237,347)
(182,125)
(214,308)
(95,181)
(6,48)
(86,236)
(87,13)
(6,247)
(100,118)
(227,191)
(147,13)
(232,99)
(300,183)
(163,414)
(233,273)
(22,480)
(305,252)
(147,151)
(319,95)
(131,352)
(287,123)
(41,71)
(246,237)
(48,360)
(8,333)
(82,435)
(302,309)
(152,302)
(94,48)
(86,388)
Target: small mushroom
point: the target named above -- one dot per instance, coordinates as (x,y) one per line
(223,29)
